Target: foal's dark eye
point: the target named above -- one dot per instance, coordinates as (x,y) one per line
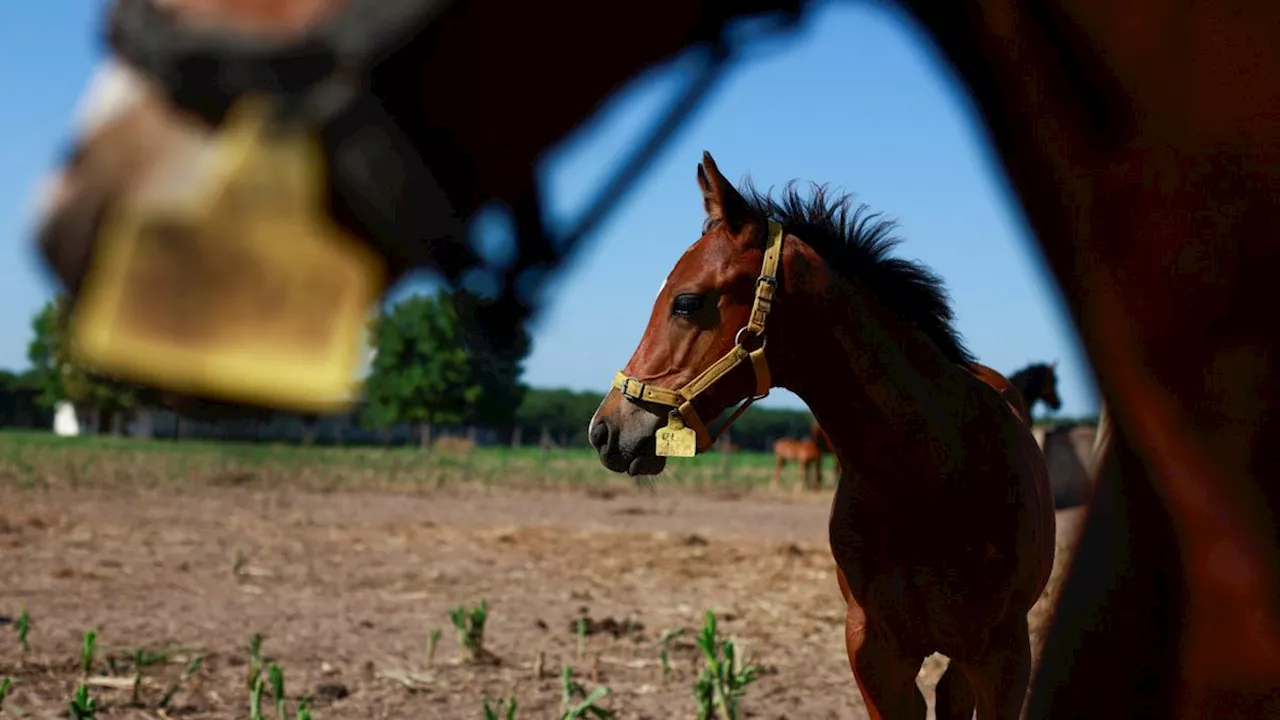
(686,305)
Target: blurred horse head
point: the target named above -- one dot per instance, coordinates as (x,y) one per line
(132,143)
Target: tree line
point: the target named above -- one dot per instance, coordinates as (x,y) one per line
(565,414)
(430,368)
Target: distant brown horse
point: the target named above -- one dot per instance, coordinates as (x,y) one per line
(942,525)
(805,453)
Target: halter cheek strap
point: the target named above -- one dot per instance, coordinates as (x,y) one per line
(686,434)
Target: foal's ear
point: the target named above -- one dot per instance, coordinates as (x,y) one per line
(720,198)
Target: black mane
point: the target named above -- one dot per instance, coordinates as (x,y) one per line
(856,242)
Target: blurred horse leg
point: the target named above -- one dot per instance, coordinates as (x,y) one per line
(999,681)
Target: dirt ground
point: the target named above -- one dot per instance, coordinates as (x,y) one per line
(346,587)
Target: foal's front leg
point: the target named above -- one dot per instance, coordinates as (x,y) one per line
(885,674)
(999,680)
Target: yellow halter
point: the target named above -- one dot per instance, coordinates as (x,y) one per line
(686,434)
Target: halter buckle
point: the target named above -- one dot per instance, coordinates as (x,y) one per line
(626,382)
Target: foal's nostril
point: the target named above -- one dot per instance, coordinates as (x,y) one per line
(599,435)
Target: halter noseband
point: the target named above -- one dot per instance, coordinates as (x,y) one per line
(686,434)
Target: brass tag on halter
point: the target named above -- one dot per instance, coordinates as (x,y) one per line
(243,288)
(676,439)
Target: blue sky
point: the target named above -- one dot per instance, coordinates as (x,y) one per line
(858,99)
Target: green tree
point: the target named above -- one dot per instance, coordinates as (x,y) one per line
(47,352)
(16,397)
(562,414)
(495,370)
(13,381)
(422,372)
(759,427)
(59,376)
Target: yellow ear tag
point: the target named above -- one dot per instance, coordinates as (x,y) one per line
(676,439)
(244,289)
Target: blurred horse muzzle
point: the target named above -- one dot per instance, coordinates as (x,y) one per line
(65,230)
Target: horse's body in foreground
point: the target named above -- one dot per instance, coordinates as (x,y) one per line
(942,523)
(1153,210)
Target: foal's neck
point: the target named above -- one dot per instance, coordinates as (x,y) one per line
(888,398)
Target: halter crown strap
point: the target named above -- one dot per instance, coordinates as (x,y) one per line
(682,399)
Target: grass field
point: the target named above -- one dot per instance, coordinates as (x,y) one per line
(31,459)
(350,565)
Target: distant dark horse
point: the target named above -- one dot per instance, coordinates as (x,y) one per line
(1038,381)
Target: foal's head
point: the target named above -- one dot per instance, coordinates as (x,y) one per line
(700,313)
(808,276)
